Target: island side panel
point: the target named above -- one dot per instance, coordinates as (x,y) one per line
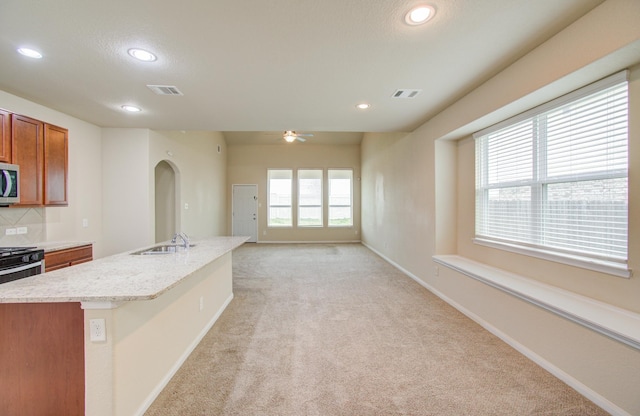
(41,359)
(151,339)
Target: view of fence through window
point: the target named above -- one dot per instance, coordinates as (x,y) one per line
(558,179)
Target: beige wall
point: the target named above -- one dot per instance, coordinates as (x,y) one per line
(129,209)
(148,340)
(418,200)
(249,164)
(126,204)
(202,172)
(111,184)
(84,179)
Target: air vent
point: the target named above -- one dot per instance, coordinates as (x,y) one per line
(406,93)
(165,89)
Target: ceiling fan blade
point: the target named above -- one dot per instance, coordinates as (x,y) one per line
(300,139)
(304,134)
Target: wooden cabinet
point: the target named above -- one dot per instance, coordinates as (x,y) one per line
(27,139)
(5,136)
(41,151)
(42,360)
(54,260)
(56,141)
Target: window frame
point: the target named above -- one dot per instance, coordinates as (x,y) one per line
(538,183)
(301,205)
(271,206)
(330,205)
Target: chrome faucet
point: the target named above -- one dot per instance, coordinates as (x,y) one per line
(183,237)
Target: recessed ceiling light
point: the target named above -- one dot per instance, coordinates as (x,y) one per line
(142,55)
(363,106)
(131,108)
(419,15)
(31,53)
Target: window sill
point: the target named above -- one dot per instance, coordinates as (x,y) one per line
(619,324)
(615,269)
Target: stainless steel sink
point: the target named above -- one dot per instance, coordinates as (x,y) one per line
(162,249)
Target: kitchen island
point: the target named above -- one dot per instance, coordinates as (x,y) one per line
(141,316)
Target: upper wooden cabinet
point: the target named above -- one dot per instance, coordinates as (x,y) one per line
(27,140)
(5,136)
(41,151)
(56,141)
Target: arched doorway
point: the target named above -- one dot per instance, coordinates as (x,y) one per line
(166,222)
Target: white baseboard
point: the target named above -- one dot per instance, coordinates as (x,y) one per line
(312,242)
(176,366)
(590,394)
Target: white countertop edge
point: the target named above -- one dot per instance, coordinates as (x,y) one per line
(100,305)
(49,246)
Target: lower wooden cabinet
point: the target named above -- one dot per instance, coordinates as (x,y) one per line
(42,359)
(58,259)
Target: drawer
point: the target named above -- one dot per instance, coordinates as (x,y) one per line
(67,257)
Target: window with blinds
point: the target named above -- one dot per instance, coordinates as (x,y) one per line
(553,181)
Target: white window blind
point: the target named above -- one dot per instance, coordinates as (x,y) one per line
(554,179)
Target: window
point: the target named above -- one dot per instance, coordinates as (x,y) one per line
(340,197)
(552,182)
(310,198)
(280,183)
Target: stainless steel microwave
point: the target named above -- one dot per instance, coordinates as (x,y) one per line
(9,184)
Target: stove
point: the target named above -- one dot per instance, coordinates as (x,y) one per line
(20,262)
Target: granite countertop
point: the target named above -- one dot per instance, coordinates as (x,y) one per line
(60,245)
(118,278)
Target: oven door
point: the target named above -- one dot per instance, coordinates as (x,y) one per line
(18,272)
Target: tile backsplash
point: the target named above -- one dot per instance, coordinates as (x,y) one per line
(31,220)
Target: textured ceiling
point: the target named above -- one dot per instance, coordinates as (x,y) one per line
(266,65)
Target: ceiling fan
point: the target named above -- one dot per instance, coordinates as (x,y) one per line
(290,136)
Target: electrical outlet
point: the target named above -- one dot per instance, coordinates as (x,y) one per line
(10,231)
(437,271)
(97,330)
(201,303)
(22,230)
(85,223)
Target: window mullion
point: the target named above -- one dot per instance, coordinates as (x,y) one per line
(538,190)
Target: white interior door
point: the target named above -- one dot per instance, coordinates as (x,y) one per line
(245,211)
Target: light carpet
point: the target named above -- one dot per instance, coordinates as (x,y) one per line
(333,329)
